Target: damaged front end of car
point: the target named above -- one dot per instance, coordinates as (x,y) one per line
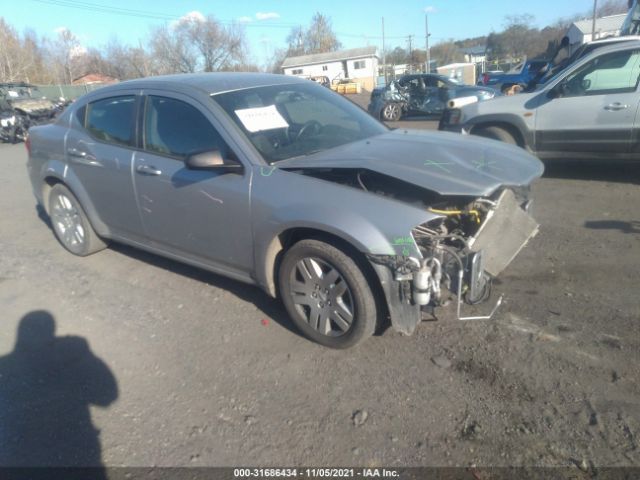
(8,125)
(23,106)
(461,251)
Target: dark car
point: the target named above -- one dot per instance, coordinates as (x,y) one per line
(421,94)
(279,182)
(22,105)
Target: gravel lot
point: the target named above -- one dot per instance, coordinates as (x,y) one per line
(174,366)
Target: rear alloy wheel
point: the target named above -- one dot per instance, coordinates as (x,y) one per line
(326,294)
(496,133)
(391,112)
(70,224)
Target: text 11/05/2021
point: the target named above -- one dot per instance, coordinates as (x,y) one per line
(313,473)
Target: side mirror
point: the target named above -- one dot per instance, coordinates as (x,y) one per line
(212,160)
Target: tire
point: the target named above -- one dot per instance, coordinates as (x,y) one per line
(391,112)
(496,133)
(315,271)
(70,223)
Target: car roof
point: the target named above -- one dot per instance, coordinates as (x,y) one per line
(631,45)
(614,39)
(209,83)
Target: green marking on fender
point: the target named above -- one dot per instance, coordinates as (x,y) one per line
(440,165)
(266,171)
(399,241)
(485,164)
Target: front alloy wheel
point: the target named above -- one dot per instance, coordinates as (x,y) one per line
(326,294)
(322,297)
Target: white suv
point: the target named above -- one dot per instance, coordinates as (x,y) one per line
(588,110)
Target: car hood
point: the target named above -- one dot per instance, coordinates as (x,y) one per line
(445,163)
(32,105)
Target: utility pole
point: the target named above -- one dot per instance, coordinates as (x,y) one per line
(410,56)
(384,57)
(593,24)
(427,66)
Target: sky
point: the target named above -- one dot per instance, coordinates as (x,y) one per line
(267,22)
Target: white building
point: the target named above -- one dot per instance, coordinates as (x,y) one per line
(357,64)
(581,31)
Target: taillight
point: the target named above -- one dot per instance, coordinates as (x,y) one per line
(27,144)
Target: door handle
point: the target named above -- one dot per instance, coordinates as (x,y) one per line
(614,107)
(148,170)
(82,158)
(74,152)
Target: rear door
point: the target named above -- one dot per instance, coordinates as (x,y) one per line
(595,111)
(99,151)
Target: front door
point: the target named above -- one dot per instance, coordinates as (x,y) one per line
(595,109)
(203,215)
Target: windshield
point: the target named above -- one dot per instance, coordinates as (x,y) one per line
(20,92)
(285,121)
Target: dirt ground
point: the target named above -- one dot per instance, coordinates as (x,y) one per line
(156,363)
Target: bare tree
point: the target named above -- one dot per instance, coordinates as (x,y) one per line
(320,36)
(15,61)
(295,42)
(64,56)
(612,7)
(170,52)
(196,44)
(446,52)
(218,47)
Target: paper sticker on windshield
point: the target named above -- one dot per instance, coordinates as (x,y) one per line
(13,94)
(261,118)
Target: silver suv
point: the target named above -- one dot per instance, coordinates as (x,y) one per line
(587,111)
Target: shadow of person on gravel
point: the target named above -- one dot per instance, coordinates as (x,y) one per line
(47,384)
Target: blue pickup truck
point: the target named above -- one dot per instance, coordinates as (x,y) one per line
(521,75)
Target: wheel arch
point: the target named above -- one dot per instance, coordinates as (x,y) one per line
(281,243)
(50,180)
(514,125)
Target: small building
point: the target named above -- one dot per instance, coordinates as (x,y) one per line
(462,72)
(581,31)
(94,79)
(360,65)
(476,54)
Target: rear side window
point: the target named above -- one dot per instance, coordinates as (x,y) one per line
(177,129)
(111,119)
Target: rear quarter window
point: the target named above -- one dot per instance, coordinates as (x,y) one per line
(111,119)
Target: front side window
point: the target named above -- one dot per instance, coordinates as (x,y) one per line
(616,72)
(177,129)
(111,119)
(285,121)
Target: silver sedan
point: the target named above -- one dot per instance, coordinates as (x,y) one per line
(276,181)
